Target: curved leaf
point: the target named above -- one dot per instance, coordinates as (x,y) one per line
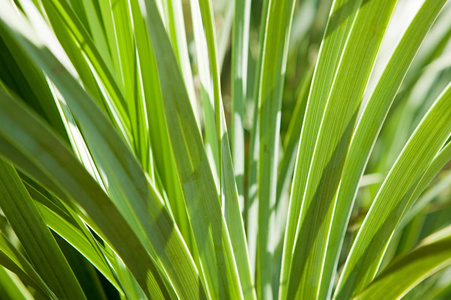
(34,235)
(391,201)
(402,275)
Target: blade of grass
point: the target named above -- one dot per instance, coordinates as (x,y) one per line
(368,128)
(85,273)
(74,38)
(72,180)
(25,164)
(390,202)
(106,17)
(356,63)
(202,201)
(30,84)
(139,201)
(240,50)
(96,28)
(175,26)
(442,288)
(339,24)
(229,195)
(291,141)
(251,192)
(285,175)
(433,255)
(209,90)
(65,223)
(34,235)
(439,162)
(127,43)
(273,66)
(160,144)
(13,260)
(72,229)
(223,38)
(409,229)
(11,287)
(413,213)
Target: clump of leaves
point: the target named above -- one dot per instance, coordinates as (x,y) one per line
(259,150)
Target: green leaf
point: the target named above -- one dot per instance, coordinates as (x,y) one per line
(273,66)
(34,235)
(13,260)
(391,201)
(175,26)
(73,182)
(209,87)
(18,73)
(162,153)
(138,200)
(436,166)
(332,144)
(368,128)
(11,287)
(291,141)
(403,274)
(127,43)
(209,72)
(72,229)
(338,26)
(98,78)
(251,202)
(202,201)
(240,49)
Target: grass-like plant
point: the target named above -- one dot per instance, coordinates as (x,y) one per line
(169,149)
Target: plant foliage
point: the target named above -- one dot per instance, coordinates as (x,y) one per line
(169,149)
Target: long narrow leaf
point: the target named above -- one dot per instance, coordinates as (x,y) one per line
(332,145)
(202,201)
(339,24)
(139,201)
(433,254)
(390,203)
(13,260)
(72,179)
(34,235)
(229,193)
(369,126)
(274,59)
